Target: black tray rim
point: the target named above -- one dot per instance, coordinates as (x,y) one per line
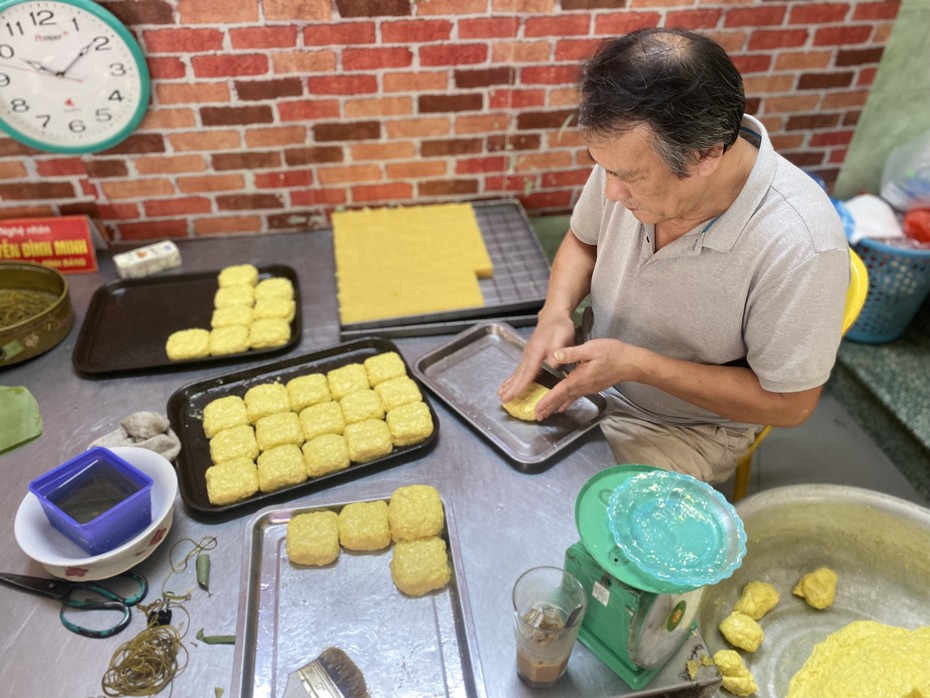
(331,357)
(87,334)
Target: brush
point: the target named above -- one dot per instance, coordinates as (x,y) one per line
(331,675)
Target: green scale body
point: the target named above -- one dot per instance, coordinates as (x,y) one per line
(633,632)
(650,542)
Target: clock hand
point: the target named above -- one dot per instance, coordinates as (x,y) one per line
(81,54)
(38,67)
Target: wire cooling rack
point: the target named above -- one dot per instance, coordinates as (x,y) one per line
(513,294)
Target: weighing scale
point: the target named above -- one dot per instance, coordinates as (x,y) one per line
(651,540)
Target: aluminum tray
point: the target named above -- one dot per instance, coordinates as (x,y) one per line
(513,294)
(185,411)
(876,543)
(466,373)
(404,646)
(128,322)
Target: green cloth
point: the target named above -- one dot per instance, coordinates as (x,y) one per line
(20,420)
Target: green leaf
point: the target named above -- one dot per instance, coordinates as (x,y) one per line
(20,420)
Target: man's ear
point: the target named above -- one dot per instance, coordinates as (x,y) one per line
(707,161)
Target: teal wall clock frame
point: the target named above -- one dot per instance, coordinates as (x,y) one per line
(73,79)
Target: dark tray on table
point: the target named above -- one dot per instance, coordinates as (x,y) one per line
(129,321)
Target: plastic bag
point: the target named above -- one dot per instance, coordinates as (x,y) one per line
(906,177)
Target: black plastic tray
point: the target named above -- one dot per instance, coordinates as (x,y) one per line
(185,411)
(129,321)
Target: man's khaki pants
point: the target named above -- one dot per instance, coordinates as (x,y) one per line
(709,452)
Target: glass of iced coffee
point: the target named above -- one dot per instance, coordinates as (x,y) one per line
(549,605)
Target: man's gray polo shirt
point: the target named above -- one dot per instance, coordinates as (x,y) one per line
(765,285)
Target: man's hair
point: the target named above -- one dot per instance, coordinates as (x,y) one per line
(680,84)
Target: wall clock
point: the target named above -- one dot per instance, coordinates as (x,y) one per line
(72,77)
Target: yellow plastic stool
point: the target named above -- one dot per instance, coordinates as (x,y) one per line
(855,299)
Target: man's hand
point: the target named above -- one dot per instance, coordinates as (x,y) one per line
(552,334)
(599,364)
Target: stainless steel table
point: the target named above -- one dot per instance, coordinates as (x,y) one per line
(507,520)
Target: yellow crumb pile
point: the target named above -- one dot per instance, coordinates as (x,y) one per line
(395,262)
(866,658)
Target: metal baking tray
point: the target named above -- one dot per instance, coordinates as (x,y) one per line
(403,646)
(129,321)
(517,288)
(185,412)
(466,373)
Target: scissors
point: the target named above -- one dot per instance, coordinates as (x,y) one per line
(96,598)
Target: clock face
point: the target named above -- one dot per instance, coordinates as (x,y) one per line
(72,77)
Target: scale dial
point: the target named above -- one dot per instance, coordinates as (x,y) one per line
(72,77)
(661,622)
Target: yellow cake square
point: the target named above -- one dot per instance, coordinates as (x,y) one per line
(313,538)
(415,511)
(188,344)
(347,379)
(229,340)
(241,294)
(323,418)
(231,481)
(364,526)
(304,391)
(278,429)
(420,566)
(382,367)
(274,287)
(398,391)
(268,333)
(264,399)
(281,466)
(368,440)
(361,405)
(231,315)
(283,308)
(405,261)
(223,413)
(324,454)
(235,442)
(410,423)
(237,274)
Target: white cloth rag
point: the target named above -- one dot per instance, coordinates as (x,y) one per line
(874,218)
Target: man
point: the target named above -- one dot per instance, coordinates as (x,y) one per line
(717,270)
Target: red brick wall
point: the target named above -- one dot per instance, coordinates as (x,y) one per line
(267,115)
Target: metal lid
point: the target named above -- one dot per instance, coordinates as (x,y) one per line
(657,530)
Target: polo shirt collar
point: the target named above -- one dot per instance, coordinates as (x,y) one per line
(727,229)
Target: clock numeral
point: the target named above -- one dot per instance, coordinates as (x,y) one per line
(42,18)
(14,28)
(18,105)
(115,96)
(44,118)
(101,43)
(118,70)
(77,126)
(6,51)
(4,80)
(103,114)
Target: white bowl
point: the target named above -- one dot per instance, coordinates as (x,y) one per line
(63,558)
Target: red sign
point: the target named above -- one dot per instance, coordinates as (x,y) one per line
(62,243)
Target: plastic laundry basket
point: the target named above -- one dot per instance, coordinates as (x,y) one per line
(899,281)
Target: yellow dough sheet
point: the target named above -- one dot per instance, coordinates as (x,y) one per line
(393,262)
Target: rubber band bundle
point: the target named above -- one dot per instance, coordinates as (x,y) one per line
(152,659)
